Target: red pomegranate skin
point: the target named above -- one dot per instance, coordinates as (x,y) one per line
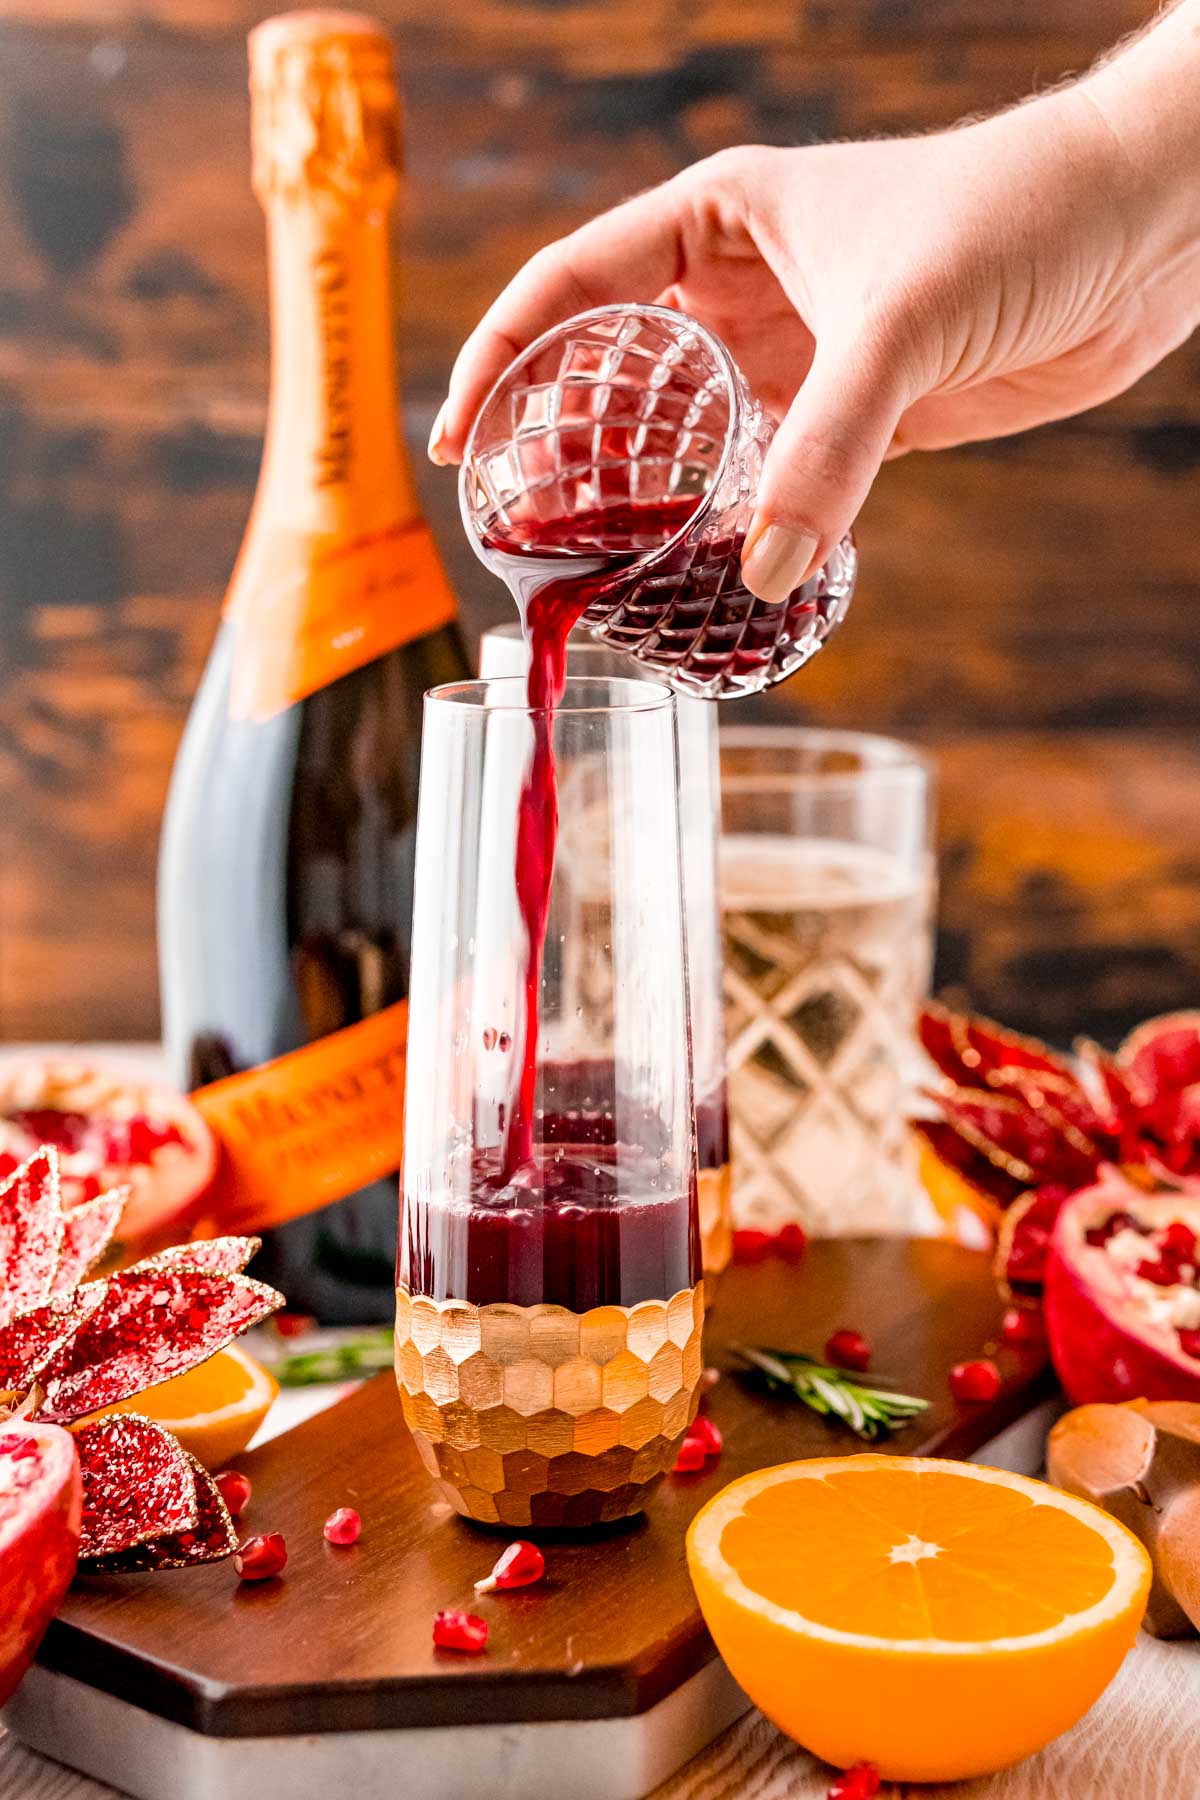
(1102,1351)
(41,1497)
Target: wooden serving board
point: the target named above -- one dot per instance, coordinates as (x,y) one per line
(192,1683)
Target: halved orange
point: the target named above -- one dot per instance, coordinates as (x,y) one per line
(213,1410)
(938,1619)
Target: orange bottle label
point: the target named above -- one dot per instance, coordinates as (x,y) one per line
(309,1127)
(325,607)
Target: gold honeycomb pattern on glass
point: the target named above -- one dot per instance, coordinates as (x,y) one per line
(539,1416)
(714,1202)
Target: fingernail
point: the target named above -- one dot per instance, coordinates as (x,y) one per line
(435,436)
(776,560)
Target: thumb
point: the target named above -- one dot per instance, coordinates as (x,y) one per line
(819,467)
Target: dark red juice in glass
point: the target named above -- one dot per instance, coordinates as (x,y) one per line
(584,1221)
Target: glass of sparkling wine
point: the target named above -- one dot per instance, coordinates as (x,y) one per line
(583,836)
(549,1294)
(827,890)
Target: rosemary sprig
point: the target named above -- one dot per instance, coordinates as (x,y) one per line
(869,1412)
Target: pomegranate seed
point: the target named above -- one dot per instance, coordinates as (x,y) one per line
(342,1527)
(1189,1343)
(858,1783)
(792,1242)
(261,1557)
(293,1324)
(750,1246)
(1118,1221)
(235,1490)
(1023,1325)
(849,1350)
(1179,1241)
(707,1435)
(458,1630)
(692,1456)
(517,1566)
(975,1381)
(1161,1272)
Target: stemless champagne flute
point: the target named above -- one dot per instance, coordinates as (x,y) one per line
(549,1314)
(503,651)
(827,891)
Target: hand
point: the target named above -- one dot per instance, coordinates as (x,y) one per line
(883,297)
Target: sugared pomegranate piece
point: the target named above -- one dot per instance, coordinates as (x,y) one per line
(849,1350)
(454,1629)
(518,1566)
(40,1505)
(259,1558)
(975,1382)
(343,1527)
(235,1490)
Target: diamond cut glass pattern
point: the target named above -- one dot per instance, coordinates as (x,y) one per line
(631,406)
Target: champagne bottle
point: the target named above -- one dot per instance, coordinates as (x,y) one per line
(285,872)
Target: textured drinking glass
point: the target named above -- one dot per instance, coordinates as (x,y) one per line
(621,453)
(549,1314)
(827,892)
(503,651)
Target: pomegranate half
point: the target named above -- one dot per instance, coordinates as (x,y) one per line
(111,1129)
(1122,1294)
(40,1503)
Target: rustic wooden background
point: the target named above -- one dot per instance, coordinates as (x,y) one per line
(1028,609)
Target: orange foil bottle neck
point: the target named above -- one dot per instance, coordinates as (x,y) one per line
(337,566)
(325,124)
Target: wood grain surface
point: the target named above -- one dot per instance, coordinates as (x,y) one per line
(1027,609)
(342,1642)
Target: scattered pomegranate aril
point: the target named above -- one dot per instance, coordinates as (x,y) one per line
(750,1246)
(1189,1343)
(975,1381)
(293,1324)
(261,1557)
(343,1527)
(706,1434)
(849,1350)
(1022,1326)
(235,1490)
(859,1783)
(454,1629)
(691,1458)
(791,1242)
(516,1567)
